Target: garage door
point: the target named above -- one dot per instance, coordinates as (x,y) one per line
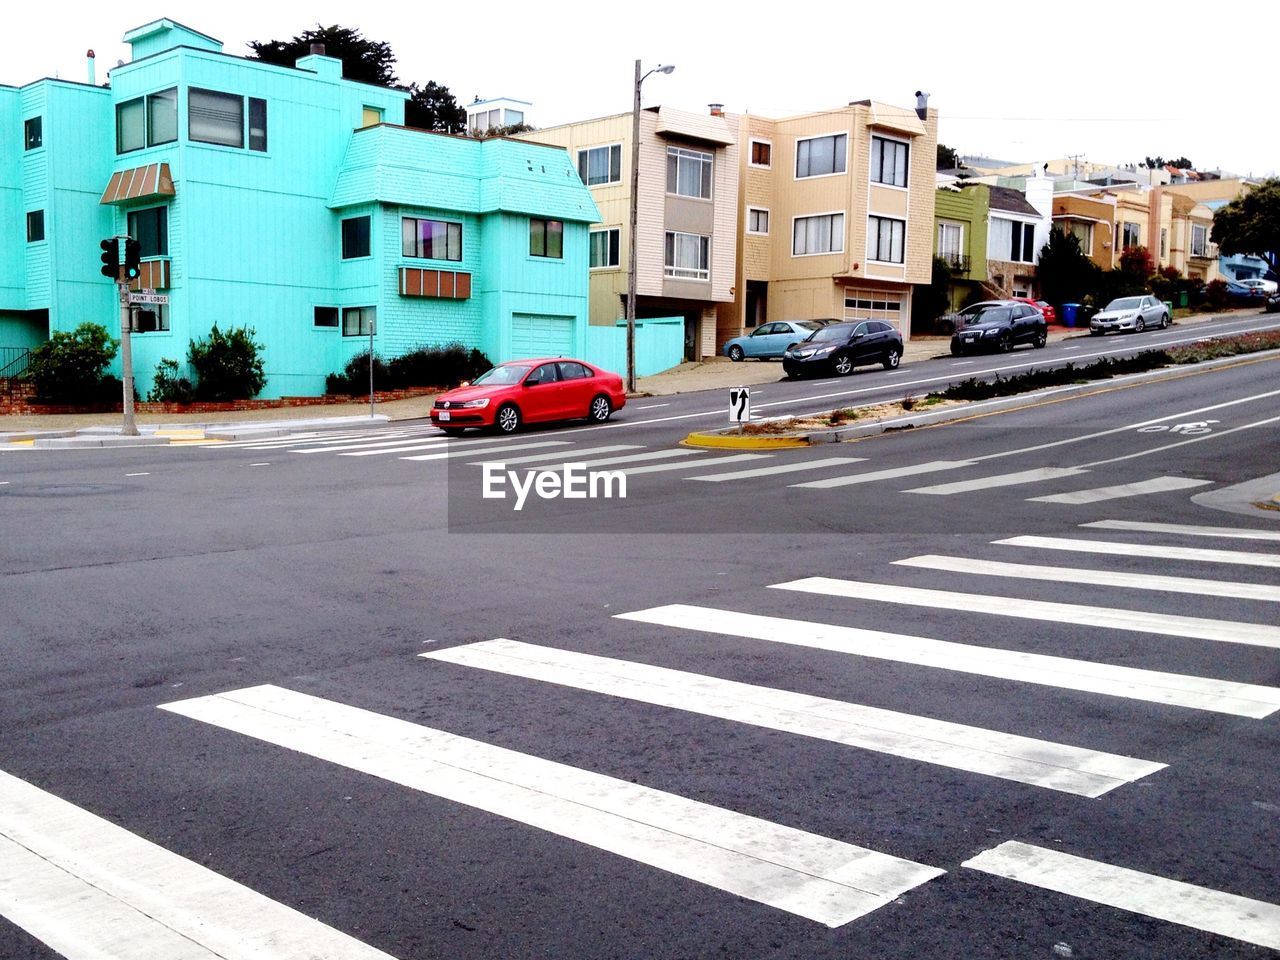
(540,335)
(874,305)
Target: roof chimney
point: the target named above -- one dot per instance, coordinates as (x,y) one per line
(922,104)
(93,74)
(717,109)
(317,49)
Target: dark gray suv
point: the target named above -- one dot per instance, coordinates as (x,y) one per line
(998,325)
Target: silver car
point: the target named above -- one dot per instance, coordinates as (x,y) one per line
(1130,313)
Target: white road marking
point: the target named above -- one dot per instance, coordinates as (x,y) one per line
(137,474)
(652,406)
(699,464)
(466,451)
(1040,763)
(339,445)
(1214,911)
(1161,552)
(934,466)
(259,464)
(1139,621)
(534,457)
(1197,693)
(1216,435)
(962,363)
(802,873)
(1102,578)
(1139,489)
(1037,475)
(325,442)
(780,468)
(91,890)
(286,439)
(1237,533)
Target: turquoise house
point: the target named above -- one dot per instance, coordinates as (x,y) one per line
(286,199)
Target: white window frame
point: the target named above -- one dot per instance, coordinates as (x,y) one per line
(676,272)
(592,234)
(1124,234)
(795,169)
(601,146)
(844,226)
(959,229)
(870,245)
(758,233)
(1006,255)
(906,169)
(750,144)
(704,159)
(1204,247)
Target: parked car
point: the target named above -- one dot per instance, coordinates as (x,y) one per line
(998,325)
(1257,283)
(839,347)
(770,340)
(1044,306)
(1241,295)
(530,391)
(1130,313)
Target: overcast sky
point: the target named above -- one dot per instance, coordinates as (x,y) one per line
(1021,81)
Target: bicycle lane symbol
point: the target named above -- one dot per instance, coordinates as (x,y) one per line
(1189,429)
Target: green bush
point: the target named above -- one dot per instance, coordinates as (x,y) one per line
(354,378)
(71,367)
(168,387)
(444,366)
(227,365)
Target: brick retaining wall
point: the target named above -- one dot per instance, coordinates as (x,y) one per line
(17,398)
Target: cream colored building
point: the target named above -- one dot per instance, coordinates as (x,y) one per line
(687,215)
(836,211)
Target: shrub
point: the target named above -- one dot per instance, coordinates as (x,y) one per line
(227,365)
(168,387)
(71,367)
(425,367)
(1215,295)
(354,378)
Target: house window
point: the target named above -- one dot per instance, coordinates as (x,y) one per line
(688,173)
(150,319)
(1082,232)
(688,256)
(257,124)
(370,117)
(597,165)
(1199,241)
(1164,243)
(950,242)
(604,247)
(546,238)
(131,125)
(357,321)
(889,161)
(821,156)
(33,133)
(820,234)
(214,117)
(35,226)
(431,239)
(757,220)
(162,117)
(886,239)
(355,238)
(761,153)
(326,317)
(150,227)
(1011,240)
(1130,236)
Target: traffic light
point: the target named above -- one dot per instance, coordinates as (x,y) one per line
(132,254)
(111,258)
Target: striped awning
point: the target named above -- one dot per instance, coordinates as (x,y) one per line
(139,183)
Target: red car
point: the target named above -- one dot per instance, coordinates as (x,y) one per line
(1050,314)
(530,391)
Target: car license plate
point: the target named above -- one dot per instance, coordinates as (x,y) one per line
(444,415)
(970,339)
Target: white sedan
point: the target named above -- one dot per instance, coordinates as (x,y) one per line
(1130,313)
(1262,286)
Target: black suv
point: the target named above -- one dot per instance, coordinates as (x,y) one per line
(998,325)
(839,347)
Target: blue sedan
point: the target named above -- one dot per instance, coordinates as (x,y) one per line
(770,340)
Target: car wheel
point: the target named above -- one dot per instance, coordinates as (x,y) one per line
(736,354)
(1140,325)
(600,409)
(1042,338)
(507,419)
(1005,344)
(892,357)
(1164,320)
(842,365)
(956,349)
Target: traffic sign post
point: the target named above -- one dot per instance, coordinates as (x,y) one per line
(122,273)
(739,406)
(148,297)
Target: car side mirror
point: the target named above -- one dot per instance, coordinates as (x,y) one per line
(855,336)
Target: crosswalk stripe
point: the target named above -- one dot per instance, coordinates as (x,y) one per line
(1237,533)
(1037,475)
(1197,693)
(1201,908)
(1139,621)
(933,466)
(497,458)
(341,445)
(272,441)
(698,464)
(1139,489)
(92,890)
(466,451)
(639,457)
(779,468)
(1104,578)
(1041,763)
(1240,557)
(323,443)
(812,876)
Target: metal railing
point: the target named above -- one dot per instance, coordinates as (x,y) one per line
(14,362)
(958,262)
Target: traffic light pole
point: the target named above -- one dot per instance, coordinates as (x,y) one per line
(129,429)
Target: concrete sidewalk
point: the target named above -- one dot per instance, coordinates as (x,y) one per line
(706,375)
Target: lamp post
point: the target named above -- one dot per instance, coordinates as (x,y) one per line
(631,239)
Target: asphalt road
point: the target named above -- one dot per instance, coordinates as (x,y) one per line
(730,721)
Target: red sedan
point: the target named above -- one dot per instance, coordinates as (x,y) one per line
(530,391)
(1050,314)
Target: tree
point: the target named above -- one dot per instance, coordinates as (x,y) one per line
(433,107)
(1250,224)
(71,367)
(1065,273)
(948,158)
(1137,262)
(368,61)
(1155,163)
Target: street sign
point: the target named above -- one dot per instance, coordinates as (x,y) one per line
(739,404)
(148,296)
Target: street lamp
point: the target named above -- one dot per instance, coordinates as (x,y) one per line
(631,252)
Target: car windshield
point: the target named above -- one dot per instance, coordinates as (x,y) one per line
(808,325)
(504,375)
(986,315)
(837,331)
(1125,303)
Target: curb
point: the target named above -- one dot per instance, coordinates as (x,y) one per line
(152,434)
(745,441)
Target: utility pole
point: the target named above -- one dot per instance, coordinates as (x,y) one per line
(122,270)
